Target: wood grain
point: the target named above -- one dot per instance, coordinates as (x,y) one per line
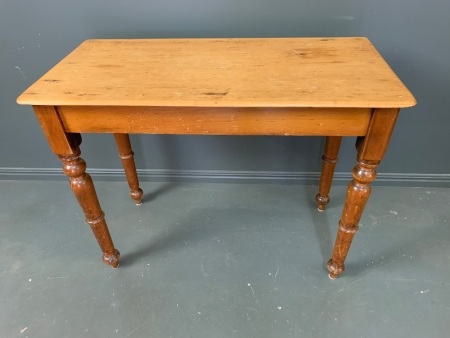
(264,72)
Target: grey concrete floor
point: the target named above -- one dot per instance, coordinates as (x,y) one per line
(222,260)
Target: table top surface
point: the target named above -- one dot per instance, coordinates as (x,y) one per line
(257,72)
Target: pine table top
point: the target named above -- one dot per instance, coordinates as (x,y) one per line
(236,72)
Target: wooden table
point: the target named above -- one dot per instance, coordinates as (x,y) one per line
(331,87)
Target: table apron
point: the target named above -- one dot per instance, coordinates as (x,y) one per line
(216,121)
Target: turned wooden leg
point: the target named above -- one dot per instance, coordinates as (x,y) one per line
(66,147)
(329,160)
(358,193)
(82,186)
(371,150)
(126,154)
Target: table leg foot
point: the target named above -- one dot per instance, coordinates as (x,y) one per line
(127,156)
(329,160)
(112,259)
(322,201)
(334,270)
(136,195)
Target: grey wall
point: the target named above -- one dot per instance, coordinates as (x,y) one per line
(413,36)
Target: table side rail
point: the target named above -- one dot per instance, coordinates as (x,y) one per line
(216,121)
